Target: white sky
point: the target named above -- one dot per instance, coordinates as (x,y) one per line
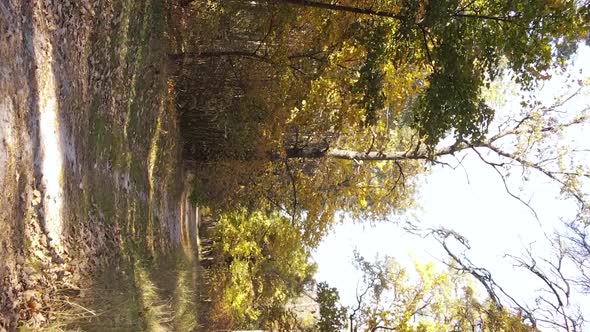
(478,208)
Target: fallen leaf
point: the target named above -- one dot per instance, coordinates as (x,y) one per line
(56,259)
(34,305)
(28,270)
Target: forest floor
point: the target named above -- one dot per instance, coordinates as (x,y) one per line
(94,212)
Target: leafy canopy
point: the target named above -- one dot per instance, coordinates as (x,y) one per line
(425,300)
(261,264)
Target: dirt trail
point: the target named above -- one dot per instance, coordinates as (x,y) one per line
(89,157)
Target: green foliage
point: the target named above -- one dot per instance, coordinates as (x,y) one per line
(266,77)
(464,43)
(261,264)
(332,314)
(369,85)
(198,194)
(423,299)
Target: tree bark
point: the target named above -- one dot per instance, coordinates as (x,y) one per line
(419,154)
(213,54)
(350,9)
(329,6)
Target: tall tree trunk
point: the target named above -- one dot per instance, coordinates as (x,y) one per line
(417,154)
(351,9)
(329,6)
(213,54)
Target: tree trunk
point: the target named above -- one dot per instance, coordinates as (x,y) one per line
(328,6)
(204,55)
(419,154)
(350,9)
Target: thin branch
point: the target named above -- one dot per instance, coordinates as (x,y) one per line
(486,17)
(502,176)
(294,187)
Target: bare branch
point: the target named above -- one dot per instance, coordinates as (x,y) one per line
(293,180)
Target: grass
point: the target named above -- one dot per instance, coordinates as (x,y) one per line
(156,313)
(142,295)
(125,116)
(177,279)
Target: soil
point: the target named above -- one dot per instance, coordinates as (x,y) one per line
(90,164)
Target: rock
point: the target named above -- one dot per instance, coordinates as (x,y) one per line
(20,259)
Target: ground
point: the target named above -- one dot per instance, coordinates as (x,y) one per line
(94,216)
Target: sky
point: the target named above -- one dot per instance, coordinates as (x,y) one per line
(471,201)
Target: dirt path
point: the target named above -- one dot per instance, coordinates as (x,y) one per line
(89,161)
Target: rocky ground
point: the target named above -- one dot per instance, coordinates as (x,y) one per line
(90,168)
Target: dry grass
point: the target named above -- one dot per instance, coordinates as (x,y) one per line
(154,297)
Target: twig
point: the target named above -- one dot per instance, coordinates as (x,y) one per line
(79,306)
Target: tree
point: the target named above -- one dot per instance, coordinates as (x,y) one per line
(393,298)
(332,314)
(526,141)
(554,306)
(317,108)
(261,263)
(345,104)
(456,45)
